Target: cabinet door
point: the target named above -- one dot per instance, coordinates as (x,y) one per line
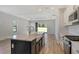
(19,47)
(33,46)
(71,17)
(40,44)
(38,47)
(28,47)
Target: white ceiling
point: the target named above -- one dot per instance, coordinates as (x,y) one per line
(31,11)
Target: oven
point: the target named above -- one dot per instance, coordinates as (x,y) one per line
(67,46)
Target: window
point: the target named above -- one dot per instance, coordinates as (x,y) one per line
(42,28)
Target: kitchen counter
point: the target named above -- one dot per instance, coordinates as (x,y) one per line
(26,37)
(27,44)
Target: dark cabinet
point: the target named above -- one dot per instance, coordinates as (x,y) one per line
(27,47)
(39,45)
(22,47)
(43,41)
(18,47)
(33,47)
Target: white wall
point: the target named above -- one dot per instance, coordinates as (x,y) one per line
(6,25)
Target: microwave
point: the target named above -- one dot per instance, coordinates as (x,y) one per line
(74,17)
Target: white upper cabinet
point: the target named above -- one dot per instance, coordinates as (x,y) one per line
(67,12)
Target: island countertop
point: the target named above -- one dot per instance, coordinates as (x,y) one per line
(27,37)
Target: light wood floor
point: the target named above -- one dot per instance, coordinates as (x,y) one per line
(53,47)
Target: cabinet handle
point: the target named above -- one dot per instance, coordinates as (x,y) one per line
(12,45)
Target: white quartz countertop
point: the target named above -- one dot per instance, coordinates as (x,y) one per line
(23,37)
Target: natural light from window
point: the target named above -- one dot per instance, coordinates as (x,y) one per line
(42,29)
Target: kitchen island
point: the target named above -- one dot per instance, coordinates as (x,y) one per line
(27,44)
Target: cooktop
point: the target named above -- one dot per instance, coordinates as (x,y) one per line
(73,38)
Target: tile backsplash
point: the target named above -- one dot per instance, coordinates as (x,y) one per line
(74,30)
